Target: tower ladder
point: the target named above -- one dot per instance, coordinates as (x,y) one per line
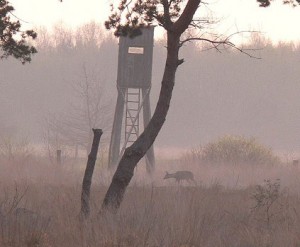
(132,119)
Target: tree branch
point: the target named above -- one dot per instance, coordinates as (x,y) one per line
(167,19)
(186,17)
(216,43)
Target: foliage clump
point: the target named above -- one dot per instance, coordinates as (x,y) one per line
(14,41)
(236,150)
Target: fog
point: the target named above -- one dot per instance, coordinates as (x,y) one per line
(240,194)
(215,93)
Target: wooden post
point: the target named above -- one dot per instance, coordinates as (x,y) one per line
(87,179)
(76,152)
(58,157)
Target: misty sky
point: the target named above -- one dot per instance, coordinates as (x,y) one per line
(276,22)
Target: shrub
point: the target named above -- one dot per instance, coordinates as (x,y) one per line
(265,197)
(236,150)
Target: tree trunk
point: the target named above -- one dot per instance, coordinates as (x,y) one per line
(87,179)
(137,150)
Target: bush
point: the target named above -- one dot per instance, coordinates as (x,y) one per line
(236,150)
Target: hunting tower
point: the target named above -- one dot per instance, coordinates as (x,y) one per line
(133,84)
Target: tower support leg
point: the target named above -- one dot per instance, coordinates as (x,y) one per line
(150,158)
(114,147)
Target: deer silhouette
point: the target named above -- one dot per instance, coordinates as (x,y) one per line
(181,175)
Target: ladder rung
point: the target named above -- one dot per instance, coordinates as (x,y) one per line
(130,125)
(132,109)
(135,126)
(131,101)
(132,132)
(133,93)
(132,118)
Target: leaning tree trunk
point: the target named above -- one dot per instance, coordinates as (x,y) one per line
(137,150)
(87,179)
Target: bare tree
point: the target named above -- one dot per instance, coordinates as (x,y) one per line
(90,34)
(90,109)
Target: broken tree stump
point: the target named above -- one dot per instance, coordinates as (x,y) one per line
(87,179)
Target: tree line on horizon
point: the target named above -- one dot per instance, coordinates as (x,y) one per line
(228,93)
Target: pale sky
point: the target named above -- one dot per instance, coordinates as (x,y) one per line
(277,22)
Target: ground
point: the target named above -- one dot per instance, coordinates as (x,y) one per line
(230,206)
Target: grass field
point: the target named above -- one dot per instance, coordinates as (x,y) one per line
(230,206)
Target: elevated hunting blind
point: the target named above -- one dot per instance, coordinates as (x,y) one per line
(133,84)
